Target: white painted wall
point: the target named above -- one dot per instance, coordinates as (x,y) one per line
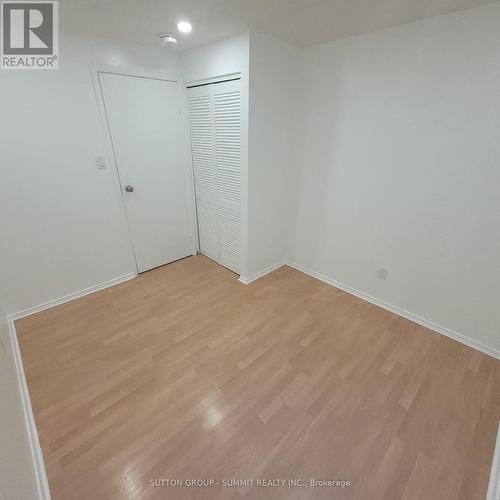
(267,67)
(222,58)
(272,150)
(401,168)
(61,219)
(396,149)
(17,477)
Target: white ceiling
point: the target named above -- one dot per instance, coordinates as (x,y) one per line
(301,22)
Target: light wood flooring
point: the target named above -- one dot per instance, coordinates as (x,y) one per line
(185,373)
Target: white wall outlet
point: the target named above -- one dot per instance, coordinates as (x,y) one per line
(382,273)
(101,162)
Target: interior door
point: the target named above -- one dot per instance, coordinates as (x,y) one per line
(151,151)
(215,126)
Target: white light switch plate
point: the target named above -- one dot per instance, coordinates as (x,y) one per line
(101,162)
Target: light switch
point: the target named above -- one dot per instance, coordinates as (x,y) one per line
(101,162)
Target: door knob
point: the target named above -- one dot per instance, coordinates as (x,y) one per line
(129,188)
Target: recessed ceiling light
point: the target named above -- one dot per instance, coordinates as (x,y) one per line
(168,39)
(184,27)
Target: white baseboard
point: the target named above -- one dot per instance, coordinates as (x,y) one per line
(401,312)
(36,450)
(70,296)
(248,279)
(34,442)
(494,484)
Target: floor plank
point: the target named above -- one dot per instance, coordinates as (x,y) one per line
(185,373)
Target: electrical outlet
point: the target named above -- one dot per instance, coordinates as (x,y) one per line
(382,273)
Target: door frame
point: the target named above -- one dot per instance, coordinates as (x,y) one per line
(110,157)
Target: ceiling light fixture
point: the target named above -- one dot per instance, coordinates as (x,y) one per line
(184,27)
(167,39)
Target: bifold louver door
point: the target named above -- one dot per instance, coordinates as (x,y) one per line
(215,124)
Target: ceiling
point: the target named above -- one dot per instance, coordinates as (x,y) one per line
(300,22)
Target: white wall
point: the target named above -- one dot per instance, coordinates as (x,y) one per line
(401,168)
(17,478)
(397,150)
(222,58)
(62,222)
(61,219)
(267,68)
(272,150)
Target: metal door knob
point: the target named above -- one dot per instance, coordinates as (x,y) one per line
(129,188)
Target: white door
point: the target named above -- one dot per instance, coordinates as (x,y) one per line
(215,127)
(150,145)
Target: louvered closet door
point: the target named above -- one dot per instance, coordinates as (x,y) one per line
(204,169)
(215,115)
(227,124)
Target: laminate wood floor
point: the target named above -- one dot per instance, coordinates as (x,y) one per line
(184,373)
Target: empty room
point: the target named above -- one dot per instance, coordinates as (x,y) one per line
(250,249)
